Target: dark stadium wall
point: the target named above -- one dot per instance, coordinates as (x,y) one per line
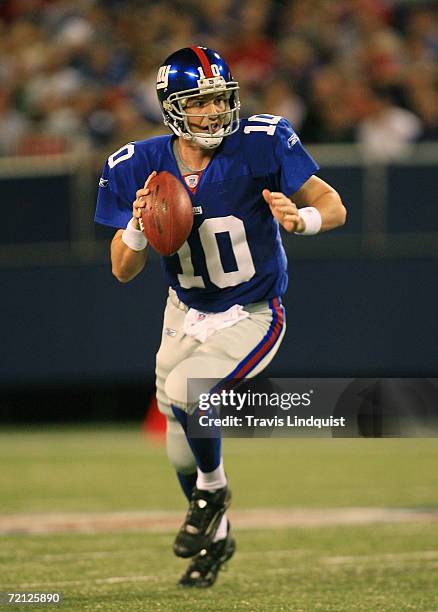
(356,318)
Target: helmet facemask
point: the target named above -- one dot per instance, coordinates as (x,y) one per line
(178,119)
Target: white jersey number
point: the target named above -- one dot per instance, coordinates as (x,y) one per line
(207,233)
(271,120)
(125,152)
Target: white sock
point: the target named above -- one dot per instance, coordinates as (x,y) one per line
(211,481)
(222,530)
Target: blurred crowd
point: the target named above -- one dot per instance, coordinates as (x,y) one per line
(82,72)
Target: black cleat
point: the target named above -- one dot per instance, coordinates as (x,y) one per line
(202,521)
(204,568)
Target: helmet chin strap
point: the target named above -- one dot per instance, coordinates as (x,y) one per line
(208,143)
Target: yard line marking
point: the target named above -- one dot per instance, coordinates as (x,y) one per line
(281,552)
(260,518)
(110,580)
(416,555)
(92,554)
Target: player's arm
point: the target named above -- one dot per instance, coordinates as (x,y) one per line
(128,258)
(314,193)
(319,194)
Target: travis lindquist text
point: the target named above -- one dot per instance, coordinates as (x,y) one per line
(288,421)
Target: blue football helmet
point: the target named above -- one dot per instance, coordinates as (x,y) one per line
(189,73)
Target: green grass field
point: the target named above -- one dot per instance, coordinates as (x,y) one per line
(388,565)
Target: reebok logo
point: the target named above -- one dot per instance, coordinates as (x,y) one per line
(292,140)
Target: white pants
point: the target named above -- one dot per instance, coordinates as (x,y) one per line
(240,351)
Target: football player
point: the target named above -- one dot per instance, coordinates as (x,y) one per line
(224,317)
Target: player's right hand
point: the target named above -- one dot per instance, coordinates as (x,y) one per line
(140,199)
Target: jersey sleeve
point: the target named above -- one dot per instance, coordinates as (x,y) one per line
(116,192)
(274,151)
(294,162)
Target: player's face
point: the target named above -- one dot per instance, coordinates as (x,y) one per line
(207,113)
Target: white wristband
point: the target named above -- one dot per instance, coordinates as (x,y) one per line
(312,220)
(134,238)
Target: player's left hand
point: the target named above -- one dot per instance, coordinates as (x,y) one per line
(284,210)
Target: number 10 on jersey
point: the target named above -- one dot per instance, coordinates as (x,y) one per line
(235,229)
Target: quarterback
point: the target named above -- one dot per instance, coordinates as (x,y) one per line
(224,317)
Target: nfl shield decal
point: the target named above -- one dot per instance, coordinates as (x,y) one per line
(192,180)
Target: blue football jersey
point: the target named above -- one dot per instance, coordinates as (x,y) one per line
(234,254)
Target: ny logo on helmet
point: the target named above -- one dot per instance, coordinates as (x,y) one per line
(163,77)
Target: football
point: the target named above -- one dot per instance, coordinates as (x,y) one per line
(168,215)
